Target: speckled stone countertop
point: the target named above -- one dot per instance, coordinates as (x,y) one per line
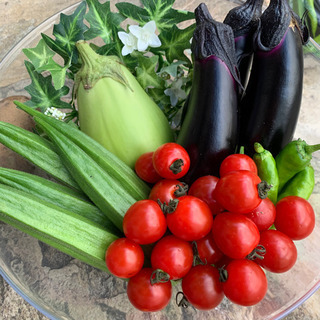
(17,18)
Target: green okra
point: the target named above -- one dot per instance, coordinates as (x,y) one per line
(37,150)
(62,229)
(103,190)
(115,167)
(57,194)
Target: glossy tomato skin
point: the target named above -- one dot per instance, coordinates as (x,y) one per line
(173,256)
(246,282)
(295,217)
(191,220)
(208,251)
(124,258)
(202,288)
(144,222)
(235,162)
(235,234)
(281,252)
(203,188)
(166,155)
(166,190)
(145,170)
(237,191)
(263,215)
(147,297)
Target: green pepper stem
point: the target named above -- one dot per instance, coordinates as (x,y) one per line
(241,151)
(258,148)
(311,149)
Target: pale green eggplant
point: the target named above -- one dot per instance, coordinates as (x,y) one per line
(115,110)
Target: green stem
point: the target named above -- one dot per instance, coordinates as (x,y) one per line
(311,149)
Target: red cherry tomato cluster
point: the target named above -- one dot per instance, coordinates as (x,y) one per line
(218,237)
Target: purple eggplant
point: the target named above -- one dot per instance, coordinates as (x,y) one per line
(243,20)
(209,130)
(270,106)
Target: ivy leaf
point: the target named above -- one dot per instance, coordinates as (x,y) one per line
(175,41)
(43,94)
(159,11)
(39,55)
(172,69)
(70,30)
(102,21)
(146,72)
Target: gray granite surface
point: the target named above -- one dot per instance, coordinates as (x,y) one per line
(17,18)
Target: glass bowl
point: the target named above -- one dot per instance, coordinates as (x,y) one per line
(65,288)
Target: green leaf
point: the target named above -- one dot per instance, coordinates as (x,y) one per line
(70,30)
(159,11)
(146,72)
(39,55)
(59,49)
(175,42)
(102,21)
(172,69)
(58,72)
(43,94)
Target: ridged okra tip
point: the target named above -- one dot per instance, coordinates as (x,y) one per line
(258,148)
(95,66)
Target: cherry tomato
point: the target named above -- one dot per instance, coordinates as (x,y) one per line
(167,189)
(295,217)
(235,234)
(246,282)
(171,161)
(146,296)
(145,170)
(124,258)
(144,222)
(263,215)
(235,162)
(281,252)
(208,251)
(202,288)
(191,219)
(203,188)
(237,191)
(173,256)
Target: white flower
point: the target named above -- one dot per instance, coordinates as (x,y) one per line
(55,113)
(129,41)
(146,36)
(175,92)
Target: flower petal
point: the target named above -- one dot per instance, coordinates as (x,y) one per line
(135,30)
(154,41)
(150,26)
(142,45)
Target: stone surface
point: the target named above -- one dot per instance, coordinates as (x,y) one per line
(17,18)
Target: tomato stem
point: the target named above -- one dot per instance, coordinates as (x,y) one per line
(176,166)
(170,207)
(223,274)
(159,276)
(196,257)
(181,190)
(257,253)
(183,303)
(263,189)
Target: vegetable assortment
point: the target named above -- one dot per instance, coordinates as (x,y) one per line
(208,197)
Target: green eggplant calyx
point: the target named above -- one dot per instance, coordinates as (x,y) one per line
(95,66)
(263,189)
(176,166)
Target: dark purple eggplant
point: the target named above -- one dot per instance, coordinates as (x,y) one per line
(243,20)
(210,128)
(270,107)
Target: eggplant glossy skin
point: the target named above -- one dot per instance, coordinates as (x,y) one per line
(270,108)
(209,131)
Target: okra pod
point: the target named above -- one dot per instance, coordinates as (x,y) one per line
(37,150)
(64,230)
